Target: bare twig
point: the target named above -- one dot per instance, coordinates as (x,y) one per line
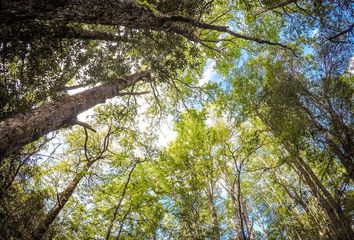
(85,125)
(279,5)
(345,31)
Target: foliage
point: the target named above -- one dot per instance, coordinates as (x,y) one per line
(263,150)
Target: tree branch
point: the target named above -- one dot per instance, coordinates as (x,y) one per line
(133,93)
(347,30)
(85,125)
(28,32)
(281,4)
(218,28)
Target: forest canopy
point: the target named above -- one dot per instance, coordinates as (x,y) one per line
(177,119)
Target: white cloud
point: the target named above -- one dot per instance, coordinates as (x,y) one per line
(77,90)
(85,116)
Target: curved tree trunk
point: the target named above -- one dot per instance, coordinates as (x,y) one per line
(25,128)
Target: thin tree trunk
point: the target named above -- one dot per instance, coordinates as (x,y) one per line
(237,219)
(43,227)
(63,198)
(249,223)
(297,199)
(239,202)
(117,207)
(244,227)
(233,191)
(25,128)
(214,215)
(344,150)
(338,221)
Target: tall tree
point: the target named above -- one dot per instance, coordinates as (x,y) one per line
(26,128)
(63,197)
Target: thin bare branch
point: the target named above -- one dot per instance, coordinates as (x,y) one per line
(85,125)
(275,6)
(341,33)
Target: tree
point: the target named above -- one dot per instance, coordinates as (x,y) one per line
(282,102)
(259,93)
(36,20)
(23,129)
(63,197)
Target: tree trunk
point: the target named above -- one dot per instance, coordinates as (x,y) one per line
(214,218)
(63,198)
(25,128)
(234,190)
(128,13)
(30,31)
(216,227)
(25,10)
(117,207)
(44,225)
(339,140)
(133,14)
(340,224)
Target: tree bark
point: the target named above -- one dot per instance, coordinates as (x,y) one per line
(214,214)
(339,223)
(109,12)
(25,128)
(30,31)
(133,14)
(63,198)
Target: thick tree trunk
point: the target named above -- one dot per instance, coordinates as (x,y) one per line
(25,128)
(25,10)
(109,12)
(30,31)
(132,14)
